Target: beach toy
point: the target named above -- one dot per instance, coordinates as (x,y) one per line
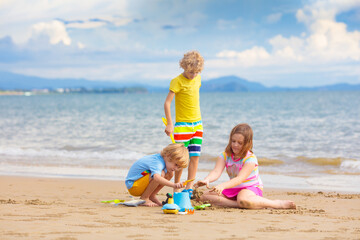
(182,199)
(131,203)
(113,201)
(202,207)
(168,195)
(170,207)
(171,136)
(190,191)
(187,181)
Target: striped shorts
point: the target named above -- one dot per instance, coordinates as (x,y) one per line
(190,134)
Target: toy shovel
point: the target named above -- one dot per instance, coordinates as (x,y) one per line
(187,181)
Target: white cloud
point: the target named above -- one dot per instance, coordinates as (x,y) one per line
(326,40)
(18,16)
(80,45)
(274,18)
(325,9)
(223,24)
(85,24)
(54,30)
(248,57)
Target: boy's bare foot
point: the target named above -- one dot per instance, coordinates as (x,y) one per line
(155,200)
(286,204)
(149,203)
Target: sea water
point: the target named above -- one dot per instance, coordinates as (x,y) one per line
(307,140)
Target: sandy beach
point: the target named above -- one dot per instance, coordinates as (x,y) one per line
(44,208)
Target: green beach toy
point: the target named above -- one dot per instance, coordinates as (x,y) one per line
(203,206)
(113,201)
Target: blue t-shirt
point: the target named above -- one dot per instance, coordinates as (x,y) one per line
(152,163)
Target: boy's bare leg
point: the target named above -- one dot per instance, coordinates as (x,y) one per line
(177,179)
(193,166)
(153,197)
(147,193)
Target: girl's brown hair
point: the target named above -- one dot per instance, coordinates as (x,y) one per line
(177,153)
(245,130)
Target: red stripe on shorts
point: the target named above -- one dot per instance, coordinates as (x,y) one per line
(198,134)
(187,136)
(182,136)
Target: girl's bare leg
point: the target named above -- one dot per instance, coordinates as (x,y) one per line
(248,199)
(217,200)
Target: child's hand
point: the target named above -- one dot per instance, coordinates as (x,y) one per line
(202,183)
(169,129)
(217,189)
(178,185)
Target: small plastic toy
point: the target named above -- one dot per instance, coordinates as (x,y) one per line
(171,136)
(187,181)
(113,201)
(202,207)
(168,195)
(183,201)
(170,207)
(132,203)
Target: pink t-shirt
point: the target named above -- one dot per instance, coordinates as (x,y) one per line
(233,167)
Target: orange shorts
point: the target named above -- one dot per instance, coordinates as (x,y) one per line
(140,185)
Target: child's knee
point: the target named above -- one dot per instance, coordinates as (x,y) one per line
(243,203)
(205,196)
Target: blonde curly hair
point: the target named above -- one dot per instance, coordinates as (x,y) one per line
(178,153)
(192,62)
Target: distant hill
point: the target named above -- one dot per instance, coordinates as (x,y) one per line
(12,81)
(231,84)
(236,84)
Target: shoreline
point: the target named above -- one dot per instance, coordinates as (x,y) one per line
(271,181)
(65,208)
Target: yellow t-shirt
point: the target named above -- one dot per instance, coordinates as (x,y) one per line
(187,103)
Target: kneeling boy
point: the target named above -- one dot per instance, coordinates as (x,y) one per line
(148,175)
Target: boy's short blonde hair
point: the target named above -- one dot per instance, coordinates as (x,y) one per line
(177,153)
(192,62)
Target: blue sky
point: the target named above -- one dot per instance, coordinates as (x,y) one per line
(276,43)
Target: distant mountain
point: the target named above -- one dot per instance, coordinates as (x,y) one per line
(236,84)
(9,81)
(12,81)
(231,84)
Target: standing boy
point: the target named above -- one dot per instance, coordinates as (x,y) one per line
(188,128)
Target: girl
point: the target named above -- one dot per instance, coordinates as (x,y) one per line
(244,189)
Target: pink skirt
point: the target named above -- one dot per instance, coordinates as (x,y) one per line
(232,193)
